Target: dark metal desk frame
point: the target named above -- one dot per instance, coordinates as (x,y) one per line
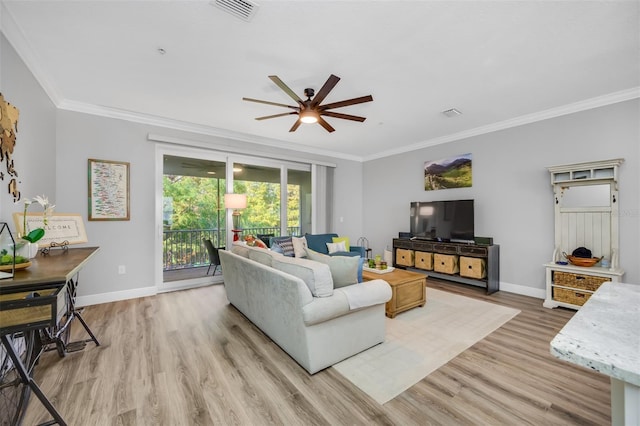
(59,268)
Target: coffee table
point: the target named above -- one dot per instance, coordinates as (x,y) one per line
(408,289)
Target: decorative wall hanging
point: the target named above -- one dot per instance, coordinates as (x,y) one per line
(108,190)
(452,172)
(8,129)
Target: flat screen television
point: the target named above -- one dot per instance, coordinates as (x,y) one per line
(449,221)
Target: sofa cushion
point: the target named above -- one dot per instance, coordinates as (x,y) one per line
(344,269)
(262,256)
(316,275)
(299,246)
(241,249)
(341,239)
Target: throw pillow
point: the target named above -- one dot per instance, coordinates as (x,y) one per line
(346,242)
(336,247)
(299,246)
(286,245)
(344,269)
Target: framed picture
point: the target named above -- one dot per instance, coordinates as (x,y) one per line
(108,190)
(452,172)
(61,228)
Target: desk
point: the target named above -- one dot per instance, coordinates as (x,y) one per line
(55,280)
(604,335)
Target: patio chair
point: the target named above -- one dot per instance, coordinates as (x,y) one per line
(214,257)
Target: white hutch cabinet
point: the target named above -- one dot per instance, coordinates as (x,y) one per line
(586,215)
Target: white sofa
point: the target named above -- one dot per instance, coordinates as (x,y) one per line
(276,293)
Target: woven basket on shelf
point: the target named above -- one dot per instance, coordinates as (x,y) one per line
(583,282)
(570,296)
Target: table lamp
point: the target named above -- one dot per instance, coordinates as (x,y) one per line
(236,202)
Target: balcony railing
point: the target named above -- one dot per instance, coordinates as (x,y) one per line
(184,248)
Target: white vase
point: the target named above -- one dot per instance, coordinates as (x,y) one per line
(33,250)
(27,249)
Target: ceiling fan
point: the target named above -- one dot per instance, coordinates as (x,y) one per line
(311,110)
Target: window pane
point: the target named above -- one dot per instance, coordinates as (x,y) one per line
(298,202)
(262,186)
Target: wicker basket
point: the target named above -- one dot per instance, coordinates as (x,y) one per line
(473,267)
(567,295)
(583,282)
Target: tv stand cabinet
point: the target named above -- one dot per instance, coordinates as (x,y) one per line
(418,255)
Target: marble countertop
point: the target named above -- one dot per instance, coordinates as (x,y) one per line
(604,335)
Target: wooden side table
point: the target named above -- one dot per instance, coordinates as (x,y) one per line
(408,289)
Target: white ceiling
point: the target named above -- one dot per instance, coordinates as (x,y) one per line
(501,63)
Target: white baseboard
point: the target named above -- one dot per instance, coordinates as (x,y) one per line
(193,283)
(96,299)
(114,296)
(538,293)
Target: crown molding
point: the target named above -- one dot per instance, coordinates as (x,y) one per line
(184,126)
(15,36)
(609,99)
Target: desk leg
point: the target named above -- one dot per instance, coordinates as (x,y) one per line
(60,335)
(72,287)
(26,379)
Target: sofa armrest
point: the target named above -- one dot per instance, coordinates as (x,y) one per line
(322,309)
(371,293)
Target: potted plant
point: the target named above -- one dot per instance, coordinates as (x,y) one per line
(28,245)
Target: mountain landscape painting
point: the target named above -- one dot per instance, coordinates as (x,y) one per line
(452,172)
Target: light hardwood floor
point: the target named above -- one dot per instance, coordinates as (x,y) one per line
(189,358)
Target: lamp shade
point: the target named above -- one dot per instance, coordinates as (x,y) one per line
(235,201)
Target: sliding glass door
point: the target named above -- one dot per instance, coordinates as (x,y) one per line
(190,202)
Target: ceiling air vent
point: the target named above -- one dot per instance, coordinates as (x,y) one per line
(242,9)
(452,112)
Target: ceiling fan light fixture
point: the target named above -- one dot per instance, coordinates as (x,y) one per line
(309,117)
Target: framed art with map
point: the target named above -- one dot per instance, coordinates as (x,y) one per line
(108,190)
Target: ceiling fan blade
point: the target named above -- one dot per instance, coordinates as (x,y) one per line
(324,91)
(295,125)
(345,116)
(276,115)
(285,88)
(326,125)
(269,103)
(360,100)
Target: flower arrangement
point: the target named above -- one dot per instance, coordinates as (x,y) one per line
(38,233)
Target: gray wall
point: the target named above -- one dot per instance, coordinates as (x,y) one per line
(36,137)
(511,187)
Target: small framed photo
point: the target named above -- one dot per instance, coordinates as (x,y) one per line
(108,190)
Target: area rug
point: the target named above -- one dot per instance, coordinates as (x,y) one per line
(420,341)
